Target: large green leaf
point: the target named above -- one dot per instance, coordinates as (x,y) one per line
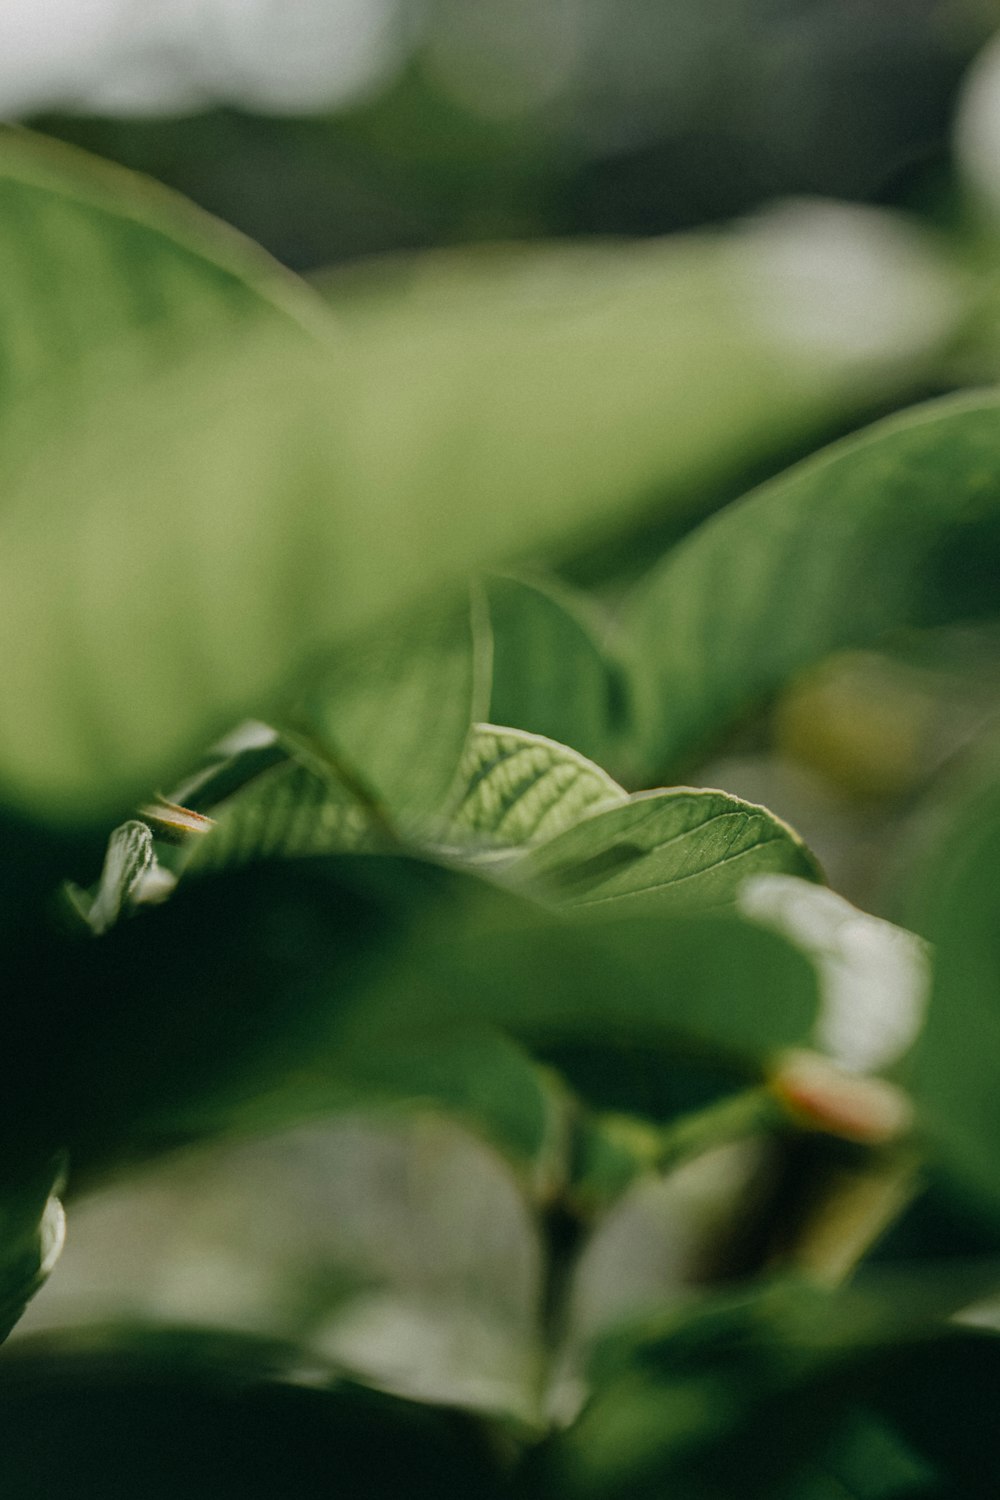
(210,1416)
(761,1392)
(678,848)
(224,1009)
(98,265)
(174,548)
(950,896)
(739,383)
(284,989)
(288,811)
(895,527)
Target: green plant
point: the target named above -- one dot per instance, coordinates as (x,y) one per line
(455,870)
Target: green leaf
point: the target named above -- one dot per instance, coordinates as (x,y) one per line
(32,1228)
(717,1400)
(782,1389)
(288,811)
(210,1417)
(695,311)
(950,897)
(551,674)
(175,548)
(226,1007)
(520,789)
(284,989)
(935,1396)
(680,848)
(100,266)
(130,857)
(867,1460)
(707,990)
(896,527)
(394,714)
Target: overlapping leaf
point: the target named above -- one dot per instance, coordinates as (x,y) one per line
(784,1389)
(32,1228)
(552,674)
(679,848)
(214,1417)
(520,789)
(394,713)
(899,526)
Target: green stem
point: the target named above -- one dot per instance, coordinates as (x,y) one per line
(752,1112)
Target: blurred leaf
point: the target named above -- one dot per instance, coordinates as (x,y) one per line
(551,674)
(396,711)
(224,1010)
(760,1392)
(32,1229)
(176,548)
(681,991)
(208,1417)
(665,849)
(99,266)
(721,1400)
(867,1460)
(935,1397)
(520,789)
(895,527)
(950,896)
(737,384)
(194,1007)
(287,811)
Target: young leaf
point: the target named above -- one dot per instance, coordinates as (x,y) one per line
(679,848)
(520,789)
(895,527)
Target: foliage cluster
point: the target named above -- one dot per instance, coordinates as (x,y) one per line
(450,863)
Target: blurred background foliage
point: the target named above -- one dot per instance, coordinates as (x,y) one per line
(343,132)
(333,130)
